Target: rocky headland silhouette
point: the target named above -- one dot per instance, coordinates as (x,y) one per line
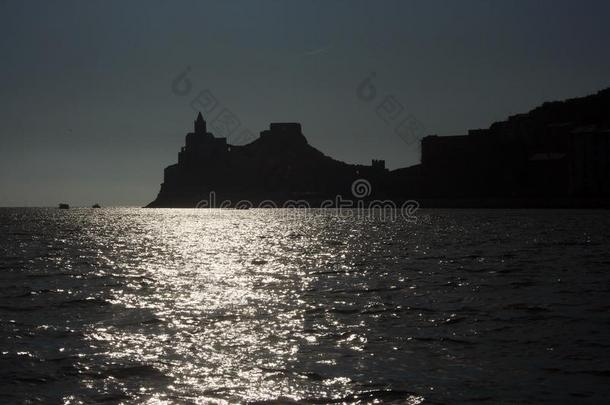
(557,155)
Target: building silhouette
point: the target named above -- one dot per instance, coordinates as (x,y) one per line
(556,155)
(278,166)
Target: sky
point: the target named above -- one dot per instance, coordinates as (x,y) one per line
(97,96)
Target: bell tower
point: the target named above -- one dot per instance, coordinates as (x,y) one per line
(200,127)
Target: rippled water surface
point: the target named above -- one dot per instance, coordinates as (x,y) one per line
(225,306)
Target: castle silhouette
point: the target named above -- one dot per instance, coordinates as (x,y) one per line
(278,166)
(557,155)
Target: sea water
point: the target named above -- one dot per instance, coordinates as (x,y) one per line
(265,305)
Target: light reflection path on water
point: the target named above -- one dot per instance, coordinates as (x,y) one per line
(200,306)
(226,289)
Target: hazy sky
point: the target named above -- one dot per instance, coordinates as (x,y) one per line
(87,111)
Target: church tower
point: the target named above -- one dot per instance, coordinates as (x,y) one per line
(200,127)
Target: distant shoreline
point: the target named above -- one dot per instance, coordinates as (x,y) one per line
(427,203)
(467,203)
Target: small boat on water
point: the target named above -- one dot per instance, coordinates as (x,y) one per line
(63,206)
(96,206)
